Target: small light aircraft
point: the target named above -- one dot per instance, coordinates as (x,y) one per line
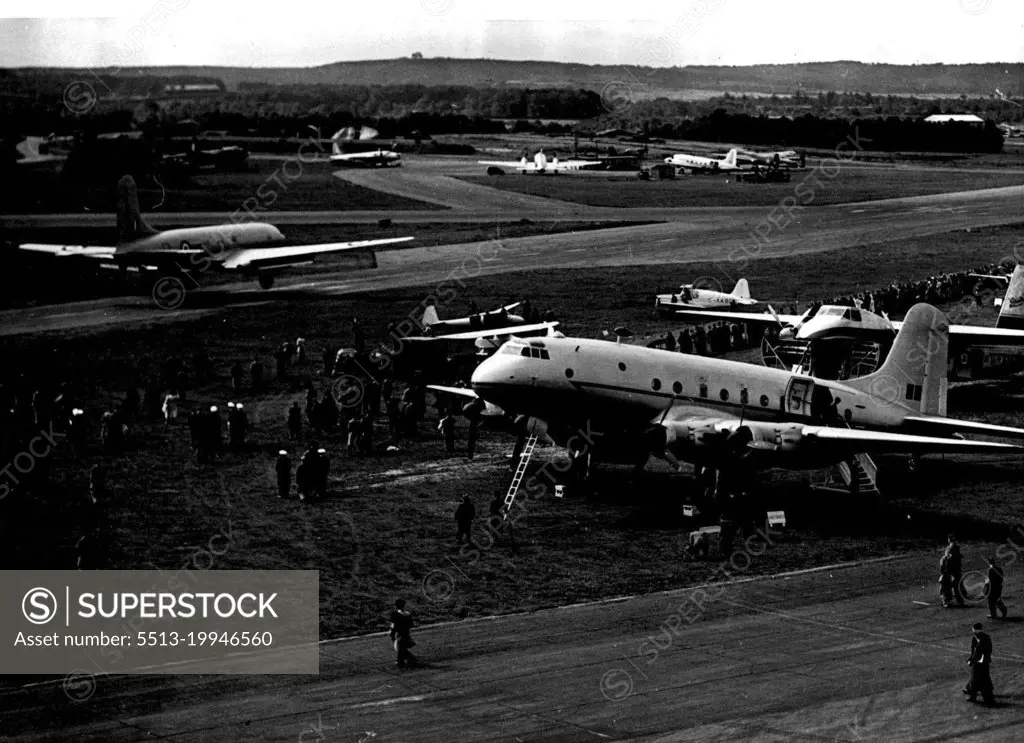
(541,164)
(613,400)
(698,164)
(246,248)
(692,297)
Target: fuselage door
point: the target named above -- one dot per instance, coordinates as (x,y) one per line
(798,397)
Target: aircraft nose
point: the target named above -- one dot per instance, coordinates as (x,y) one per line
(487,373)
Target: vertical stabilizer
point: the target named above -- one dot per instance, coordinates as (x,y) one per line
(1011,315)
(730,158)
(430,315)
(742,290)
(130,224)
(914,373)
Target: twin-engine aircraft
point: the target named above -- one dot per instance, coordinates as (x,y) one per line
(698,164)
(378,158)
(619,402)
(492,324)
(976,352)
(691,297)
(541,164)
(246,248)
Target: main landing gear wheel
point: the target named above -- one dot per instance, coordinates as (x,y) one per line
(266,280)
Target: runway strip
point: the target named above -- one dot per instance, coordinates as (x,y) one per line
(845,654)
(721,235)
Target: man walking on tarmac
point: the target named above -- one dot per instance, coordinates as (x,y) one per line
(401,634)
(980,662)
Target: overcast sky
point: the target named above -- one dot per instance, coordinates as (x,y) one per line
(103,33)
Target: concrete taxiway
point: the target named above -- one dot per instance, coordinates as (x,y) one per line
(851,653)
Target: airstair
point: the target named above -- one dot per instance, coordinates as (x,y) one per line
(524,459)
(856,477)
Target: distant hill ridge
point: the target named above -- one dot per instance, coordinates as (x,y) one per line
(783,79)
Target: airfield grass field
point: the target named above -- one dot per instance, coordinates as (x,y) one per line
(309,186)
(387,524)
(837,185)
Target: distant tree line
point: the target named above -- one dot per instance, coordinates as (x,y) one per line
(34,105)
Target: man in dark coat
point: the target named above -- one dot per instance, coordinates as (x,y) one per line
(401,634)
(464,516)
(955,566)
(994,588)
(980,662)
(283,469)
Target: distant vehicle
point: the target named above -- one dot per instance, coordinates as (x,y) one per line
(691,297)
(698,164)
(770,174)
(246,248)
(379,158)
(540,164)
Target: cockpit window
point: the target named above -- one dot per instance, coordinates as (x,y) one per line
(535,353)
(512,350)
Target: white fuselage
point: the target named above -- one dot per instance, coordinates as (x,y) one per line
(696,162)
(573,379)
(216,242)
(704,299)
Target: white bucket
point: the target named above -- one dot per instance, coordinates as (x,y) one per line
(559,491)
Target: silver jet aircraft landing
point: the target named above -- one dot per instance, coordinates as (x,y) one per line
(723,415)
(246,248)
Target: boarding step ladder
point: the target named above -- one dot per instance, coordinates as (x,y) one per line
(862,478)
(524,459)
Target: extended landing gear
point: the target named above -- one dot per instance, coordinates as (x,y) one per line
(266,280)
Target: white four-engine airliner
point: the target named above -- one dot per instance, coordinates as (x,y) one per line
(246,248)
(541,164)
(725,414)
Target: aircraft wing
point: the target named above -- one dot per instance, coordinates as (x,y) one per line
(765,318)
(81,251)
(282,256)
(494,332)
(886,442)
(461,391)
(951,426)
(980,336)
(571,164)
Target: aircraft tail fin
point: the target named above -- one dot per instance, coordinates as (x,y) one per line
(1012,313)
(730,157)
(130,223)
(741,290)
(914,373)
(430,316)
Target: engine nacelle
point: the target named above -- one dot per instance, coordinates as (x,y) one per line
(748,438)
